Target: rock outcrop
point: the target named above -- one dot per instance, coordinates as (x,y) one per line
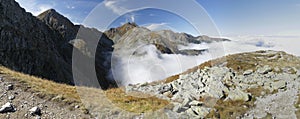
(197,93)
(7,107)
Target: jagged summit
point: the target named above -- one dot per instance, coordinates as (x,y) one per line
(51,10)
(130,24)
(117,33)
(60,23)
(53,13)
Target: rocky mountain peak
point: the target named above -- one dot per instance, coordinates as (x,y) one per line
(51,10)
(130,25)
(117,33)
(59,23)
(53,14)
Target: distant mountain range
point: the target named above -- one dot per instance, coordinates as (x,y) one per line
(43,45)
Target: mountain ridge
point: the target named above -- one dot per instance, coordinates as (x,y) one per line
(43,45)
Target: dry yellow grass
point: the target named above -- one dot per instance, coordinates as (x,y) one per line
(46,89)
(135,104)
(230,109)
(66,94)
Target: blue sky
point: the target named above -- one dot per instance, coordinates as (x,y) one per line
(231,17)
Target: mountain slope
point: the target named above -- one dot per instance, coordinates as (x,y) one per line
(132,37)
(30,46)
(82,39)
(43,46)
(64,101)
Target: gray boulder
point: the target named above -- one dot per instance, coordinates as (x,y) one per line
(198,112)
(7,107)
(35,111)
(278,84)
(9,87)
(238,94)
(264,70)
(248,72)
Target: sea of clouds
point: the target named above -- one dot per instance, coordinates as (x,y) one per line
(153,65)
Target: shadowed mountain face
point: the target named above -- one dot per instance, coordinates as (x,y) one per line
(82,39)
(30,46)
(43,46)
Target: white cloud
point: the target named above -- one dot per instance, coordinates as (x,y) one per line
(159,26)
(289,44)
(155,66)
(152,66)
(115,6)
(34,7)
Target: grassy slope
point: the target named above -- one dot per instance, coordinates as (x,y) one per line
(245,61)
(239,62)
(68,95)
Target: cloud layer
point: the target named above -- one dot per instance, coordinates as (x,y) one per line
(154,66)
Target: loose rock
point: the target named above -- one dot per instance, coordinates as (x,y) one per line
(8,107)
(12,97)
(10,87)
(35,111)
(238,94)
(248,72)
(264,70)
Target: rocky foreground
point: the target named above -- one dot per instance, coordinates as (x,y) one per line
(18,101)
(221,92)
(263,84)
